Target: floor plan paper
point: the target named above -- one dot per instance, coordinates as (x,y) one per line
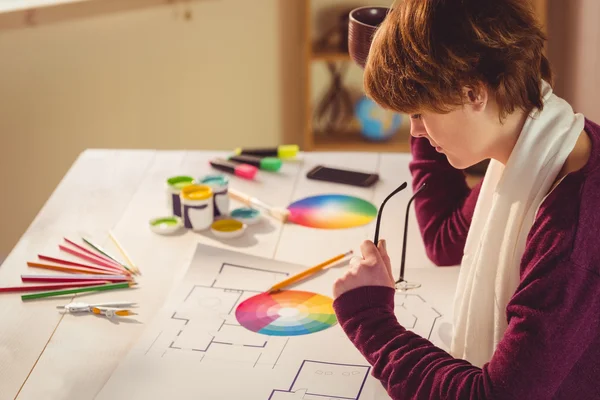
(196,349)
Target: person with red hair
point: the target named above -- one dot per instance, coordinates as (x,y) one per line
(473,76)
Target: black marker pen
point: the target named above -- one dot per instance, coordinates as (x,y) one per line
(284,151)
(242,170)
(266,163)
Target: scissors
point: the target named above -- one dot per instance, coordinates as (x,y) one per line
(109,310)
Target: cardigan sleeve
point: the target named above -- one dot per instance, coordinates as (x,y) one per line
(552,318)
(445,208)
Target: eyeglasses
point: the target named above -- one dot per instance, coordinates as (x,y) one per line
(401,283)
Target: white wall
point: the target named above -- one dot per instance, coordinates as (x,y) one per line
(143,79)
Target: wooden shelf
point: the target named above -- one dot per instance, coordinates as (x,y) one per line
(355,142)
(351,139)
(350,142)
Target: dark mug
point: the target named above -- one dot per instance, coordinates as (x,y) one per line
(363,22)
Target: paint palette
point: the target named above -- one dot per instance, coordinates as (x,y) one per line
(332,211)
(286,313)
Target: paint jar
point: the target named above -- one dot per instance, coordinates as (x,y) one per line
(166,225)
(246,215)
(228,228)
(197,207)
(220,187)
(174,186)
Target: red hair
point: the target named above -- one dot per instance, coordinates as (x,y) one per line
(427,51)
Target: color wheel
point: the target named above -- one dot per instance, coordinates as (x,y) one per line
(286,313)
(332,211)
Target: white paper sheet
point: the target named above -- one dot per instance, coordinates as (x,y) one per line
(196,349)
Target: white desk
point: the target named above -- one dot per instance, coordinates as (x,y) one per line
(44,355)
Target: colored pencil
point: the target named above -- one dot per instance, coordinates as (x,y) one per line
(101,250)
(108,286)
(75,264)
(123,252)
(307,272)
(49,286)
(74,278)
(89,258)
(62,268)
(90,255)
(98,255)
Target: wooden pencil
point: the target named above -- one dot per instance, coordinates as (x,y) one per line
(74,278)
(101,250)
(107,286)
(90,258)
(49,286)
(75,264)
(89,252)
(307,272)
(64,268)
(123,252)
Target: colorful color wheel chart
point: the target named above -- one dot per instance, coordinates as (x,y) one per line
(286,313)
(332,211)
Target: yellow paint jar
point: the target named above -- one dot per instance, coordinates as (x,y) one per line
(197,207)
(228,228)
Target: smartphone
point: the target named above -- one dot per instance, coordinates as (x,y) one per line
(344,176)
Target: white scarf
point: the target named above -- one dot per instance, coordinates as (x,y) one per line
(505,211)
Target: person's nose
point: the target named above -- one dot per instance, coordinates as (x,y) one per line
(417,129)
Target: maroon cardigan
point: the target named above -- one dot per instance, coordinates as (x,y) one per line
(551,349)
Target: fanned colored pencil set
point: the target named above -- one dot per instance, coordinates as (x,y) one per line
(95,270)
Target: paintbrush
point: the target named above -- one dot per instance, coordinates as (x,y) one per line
(281,214)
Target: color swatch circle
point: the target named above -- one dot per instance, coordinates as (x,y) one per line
(286,313)
(332,211)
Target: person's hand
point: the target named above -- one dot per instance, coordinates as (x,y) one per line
(372,269)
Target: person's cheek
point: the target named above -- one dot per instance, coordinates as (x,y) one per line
(429,130)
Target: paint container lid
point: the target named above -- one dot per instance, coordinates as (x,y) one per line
(288,151)
(179,182)
(166,225)
(246,215)
(215,181)
(246,171)
(196,192)
(228,228)
(270,164)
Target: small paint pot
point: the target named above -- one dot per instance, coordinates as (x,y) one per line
(220,186)
(247,215)
(166,225)
(174,186)
(197,201)
(228,228)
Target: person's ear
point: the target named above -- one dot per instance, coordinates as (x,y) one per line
(476,97)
